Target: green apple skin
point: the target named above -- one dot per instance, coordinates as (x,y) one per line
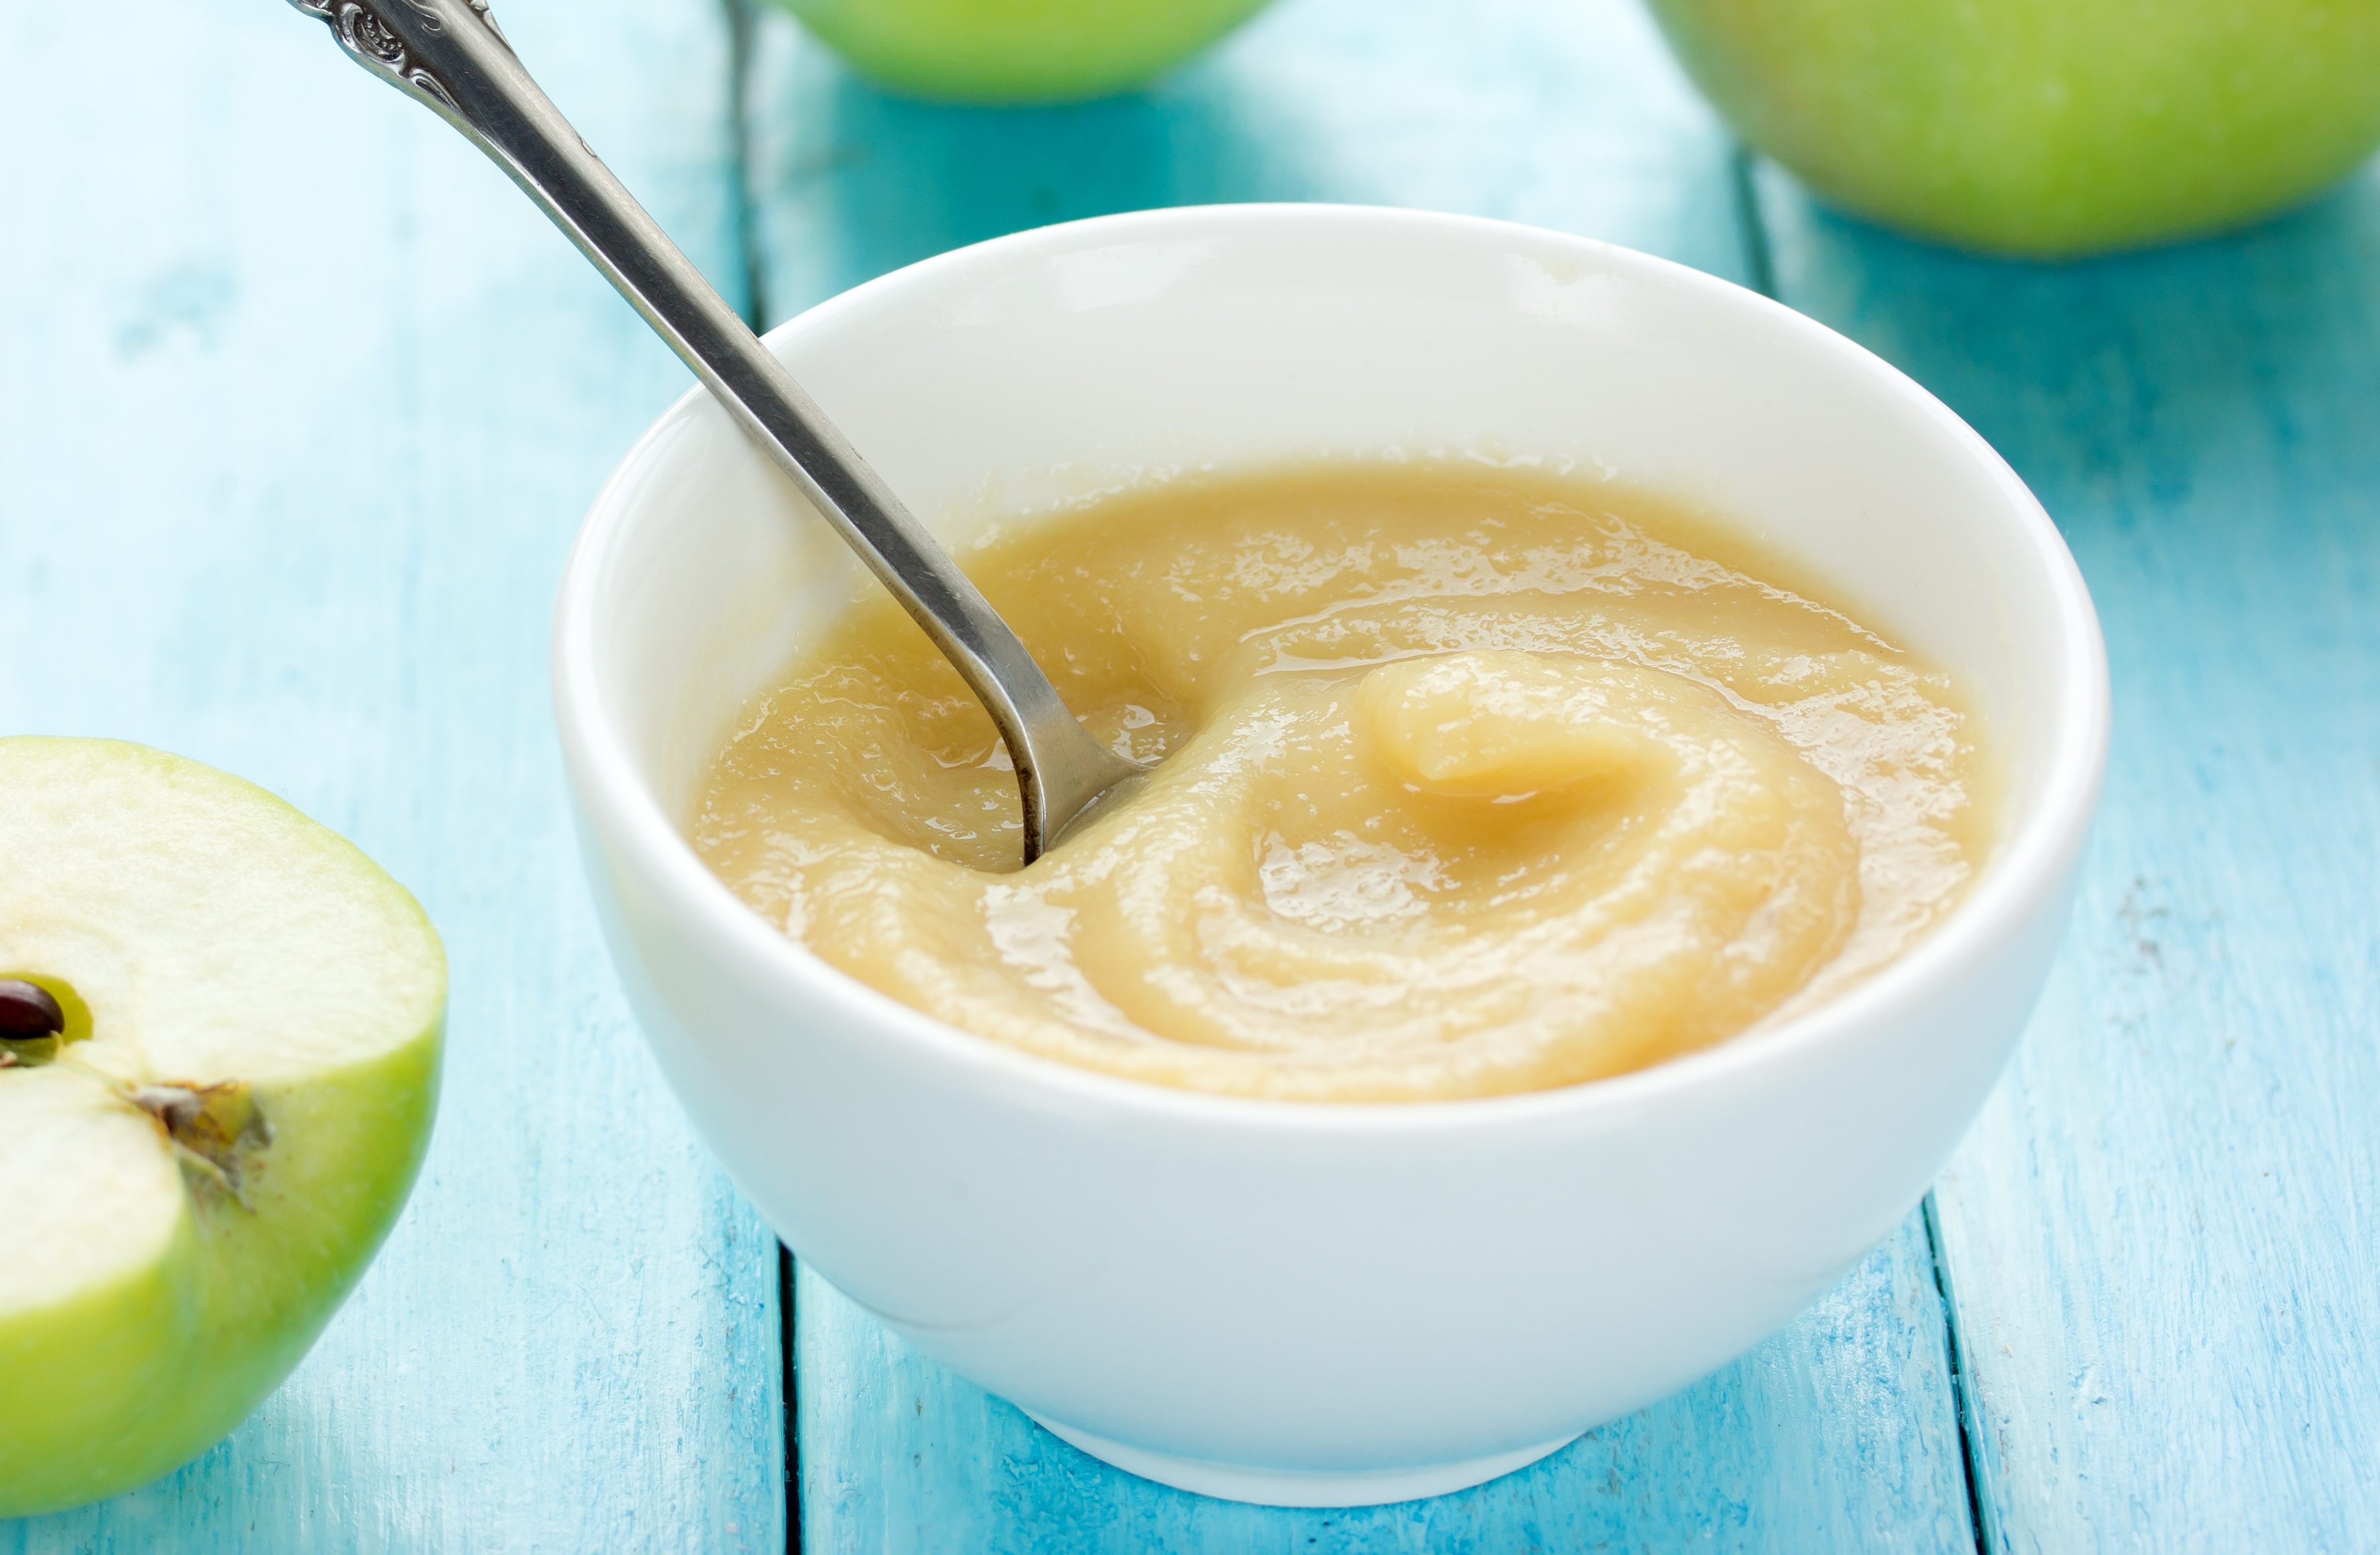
(2047,129)
(1018,51)
(119,1382)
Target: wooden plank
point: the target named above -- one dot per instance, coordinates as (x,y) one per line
(300,405)
(1567,116)
(2164,1239)
(1839,1435)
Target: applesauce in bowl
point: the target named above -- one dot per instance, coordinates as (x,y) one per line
(1470,781)
(1291,1298)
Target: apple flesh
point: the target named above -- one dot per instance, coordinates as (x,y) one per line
(1018,51)
(2045,128)
(197,1167)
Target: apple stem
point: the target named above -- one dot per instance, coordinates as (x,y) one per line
(29,1012)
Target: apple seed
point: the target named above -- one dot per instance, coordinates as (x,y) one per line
(28,1012)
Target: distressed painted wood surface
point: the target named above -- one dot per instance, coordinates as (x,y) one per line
(2164,1237)
(299,408)
(1562,113)
(1840,1434)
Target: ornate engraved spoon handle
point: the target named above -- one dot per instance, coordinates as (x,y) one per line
(448,56)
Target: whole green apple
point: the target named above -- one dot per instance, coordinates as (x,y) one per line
(2046,128)
(1018,51)
(219,1041)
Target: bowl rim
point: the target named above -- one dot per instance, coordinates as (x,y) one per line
(2028,870)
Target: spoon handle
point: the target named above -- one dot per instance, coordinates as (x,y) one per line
(449,56)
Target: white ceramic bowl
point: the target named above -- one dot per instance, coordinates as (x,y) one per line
(1293,1302)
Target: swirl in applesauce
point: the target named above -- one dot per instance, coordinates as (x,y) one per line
(1476,780)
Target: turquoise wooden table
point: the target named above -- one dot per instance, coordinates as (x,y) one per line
(300,405)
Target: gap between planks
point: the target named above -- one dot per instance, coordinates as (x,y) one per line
(1760,274)
(752,279)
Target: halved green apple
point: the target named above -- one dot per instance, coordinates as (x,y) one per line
(197,1167)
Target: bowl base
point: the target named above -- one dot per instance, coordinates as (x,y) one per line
(1320,1488)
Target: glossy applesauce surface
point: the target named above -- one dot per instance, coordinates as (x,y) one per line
(1474,781)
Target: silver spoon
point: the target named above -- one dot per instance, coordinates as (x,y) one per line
(448,56)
